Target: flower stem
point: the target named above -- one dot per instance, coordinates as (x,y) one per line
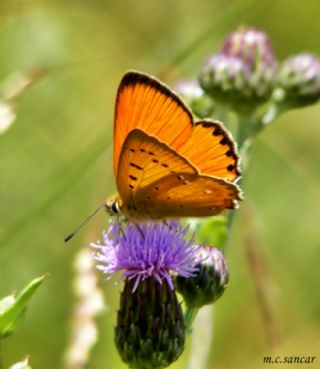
(201,338)
(189,317)
(272,113)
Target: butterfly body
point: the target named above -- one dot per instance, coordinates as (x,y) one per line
(166,165)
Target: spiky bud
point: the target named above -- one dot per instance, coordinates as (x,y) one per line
(242,74)
(298,81)
(150,331)
(250,45)
(193,94)
(209,282)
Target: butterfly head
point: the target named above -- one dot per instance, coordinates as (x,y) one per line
(112,206)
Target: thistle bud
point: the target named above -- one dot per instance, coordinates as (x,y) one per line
(242,74)
(252,46)
(193,94)
(298,81)
(209,282)
(150,331)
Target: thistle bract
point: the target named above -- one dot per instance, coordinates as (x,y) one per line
(193,94)
(150,331)
(209,282)
(298,81)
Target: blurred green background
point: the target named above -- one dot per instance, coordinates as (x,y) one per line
(55,167)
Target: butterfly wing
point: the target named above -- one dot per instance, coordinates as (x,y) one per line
(155,181)
(212,151)
(144,102)
(189,195)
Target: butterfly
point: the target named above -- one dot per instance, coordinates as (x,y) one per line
(167,165)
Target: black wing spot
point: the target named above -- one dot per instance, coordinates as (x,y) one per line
(130,186)
(142,150)
(168,198)
(172,172)
(157,188)
(132,150)
(151,153)
(230,153)
(224,141)
(217,131)
(165,165)
(133,177)
(180,177)
(136,166)
(230,168)
(155,160)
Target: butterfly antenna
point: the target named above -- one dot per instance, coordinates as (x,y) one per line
(83,223)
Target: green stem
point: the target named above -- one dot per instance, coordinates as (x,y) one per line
(272,113)
(189,317)
(245,127)
(201,338)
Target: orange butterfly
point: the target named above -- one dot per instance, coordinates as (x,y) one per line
(165,164)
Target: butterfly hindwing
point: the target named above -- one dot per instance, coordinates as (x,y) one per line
(189,195)
(144,102)
(143,161)
(155,181)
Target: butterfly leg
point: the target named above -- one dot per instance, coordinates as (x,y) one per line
(139,229)
(121,230)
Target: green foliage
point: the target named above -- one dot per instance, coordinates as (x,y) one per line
(12,308)
(212,231)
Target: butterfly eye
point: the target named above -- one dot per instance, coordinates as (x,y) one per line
(115,208)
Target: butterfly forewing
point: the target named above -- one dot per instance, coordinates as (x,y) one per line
(145,103)
(212,151)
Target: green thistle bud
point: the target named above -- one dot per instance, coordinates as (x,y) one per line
(298,81)
(193,94)
(150,331)
(242,74)
(209,282)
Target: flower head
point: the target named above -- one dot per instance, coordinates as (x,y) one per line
(298,80)
(229,79)
(250,45)
(141,251)
(242,74)
(210,280)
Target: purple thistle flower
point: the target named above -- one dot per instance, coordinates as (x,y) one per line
(152,249)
